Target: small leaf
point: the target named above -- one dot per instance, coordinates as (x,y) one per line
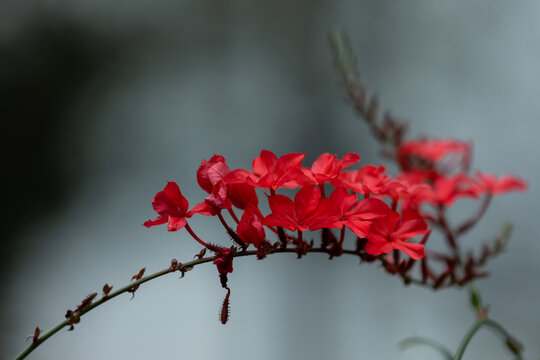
(87,301)
(37,331)
(139,275)
(201,254)
(475,299)
(106,290)
(35,335)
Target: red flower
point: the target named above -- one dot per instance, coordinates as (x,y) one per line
(223,195)
(171,206)
(294,216)
(389,233)
(433,151)
(505,183)
(251,229)
(211,172)
(344,209)
(272,173)
(327,167)
(447,189)
(366,180)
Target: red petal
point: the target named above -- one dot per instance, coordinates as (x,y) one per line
(202,172)
(326,216)
(281,219)
(343,201)
(157,221)
(217,172)
(385,226)
(203,209)
(238,176)
(503,184)
(324,164)
(415,251)
(176,223)
(306,201)
(410,229)
(369,209)
(287,162)
(308,176)
(290,179)
(265,163)
(173,192)
(163,205)
(267,181)
(348,160)
(281,204)
(250,229)
(242,194)
(378,245)
(359,228)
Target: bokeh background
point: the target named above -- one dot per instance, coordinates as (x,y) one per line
(102,102)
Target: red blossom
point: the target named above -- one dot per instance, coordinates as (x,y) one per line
(344,209)
(271,172)
(211,172)
(294,216)
(389,233)
(223,195)
(395,189)
(251,229)
(367,180)
(446,190)
(327,167)
(503,184)
(432,150)
(171,206)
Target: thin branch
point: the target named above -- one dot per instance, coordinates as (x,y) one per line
(130,286)
(511,343)
(476,218)
(385,128)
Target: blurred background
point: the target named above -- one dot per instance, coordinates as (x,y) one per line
(102,102)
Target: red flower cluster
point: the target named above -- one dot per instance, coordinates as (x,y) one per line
(385,212)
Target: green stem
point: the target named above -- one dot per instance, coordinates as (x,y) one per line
(476,326)
(155,275)
(468,336)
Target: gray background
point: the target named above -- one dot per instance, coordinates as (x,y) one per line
(106,100)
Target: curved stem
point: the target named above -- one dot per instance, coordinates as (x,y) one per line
(476,326)
(450,235)
(468,336)
(231,232)
(342,236)
(233,215)
(198,239)
(155,275)
(476,218)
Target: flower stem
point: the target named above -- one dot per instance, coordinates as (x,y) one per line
(155,275)
(476,218)
(476,326)
(233,215)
